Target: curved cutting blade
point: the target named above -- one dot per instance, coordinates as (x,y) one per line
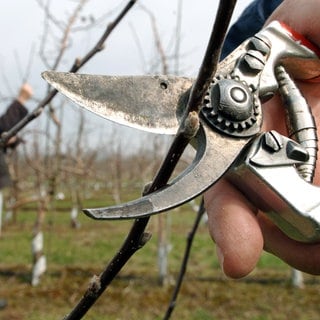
(149,103)
(215,154)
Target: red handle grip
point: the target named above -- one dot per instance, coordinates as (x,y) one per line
(301,39)
(298,37)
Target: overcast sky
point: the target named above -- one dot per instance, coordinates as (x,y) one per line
(22,27)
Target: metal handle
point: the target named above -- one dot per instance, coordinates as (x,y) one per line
(266,174)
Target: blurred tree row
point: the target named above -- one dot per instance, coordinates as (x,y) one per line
(48,165)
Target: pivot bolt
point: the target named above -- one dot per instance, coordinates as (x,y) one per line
(233,100)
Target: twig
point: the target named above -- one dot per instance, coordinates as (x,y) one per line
(49,16)
(64,40)
(178,38)
(212,55)
(135,240)
(29,65)
(18,64)
(158,43)
(184,263)
(139,46)
(137,236)
(75,67)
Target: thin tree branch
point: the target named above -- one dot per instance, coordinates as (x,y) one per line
(66,33)
(29,64)
(75,67)
(137,236)
(49,16)
(100,44)
(157,39)
(96,21)
(178,39)
(212,55)
(139,46)
(44,37)
(53,169)
(185,260)
(18,64)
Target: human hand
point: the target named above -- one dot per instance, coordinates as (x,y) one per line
(25,93)
(240,231)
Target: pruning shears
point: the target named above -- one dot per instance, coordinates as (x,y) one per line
(275,172)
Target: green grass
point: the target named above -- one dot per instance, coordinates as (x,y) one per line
(74,256)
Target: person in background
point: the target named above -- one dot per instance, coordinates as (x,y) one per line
(239,230)
(14,113)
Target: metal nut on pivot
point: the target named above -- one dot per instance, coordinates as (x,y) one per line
(273,140)
(233,100)
(233,107)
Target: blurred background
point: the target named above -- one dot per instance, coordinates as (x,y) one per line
(70,159)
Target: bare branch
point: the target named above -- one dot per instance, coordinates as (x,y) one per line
(138,43)
(178,38)
(157,38)
(96,21)
(184,263)
(100,44)
(212,55)
(49,16)
(44,39)
(29,64)
(18,64)
(137,236)
(67,30)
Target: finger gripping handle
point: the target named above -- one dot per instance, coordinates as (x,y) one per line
(302,40)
